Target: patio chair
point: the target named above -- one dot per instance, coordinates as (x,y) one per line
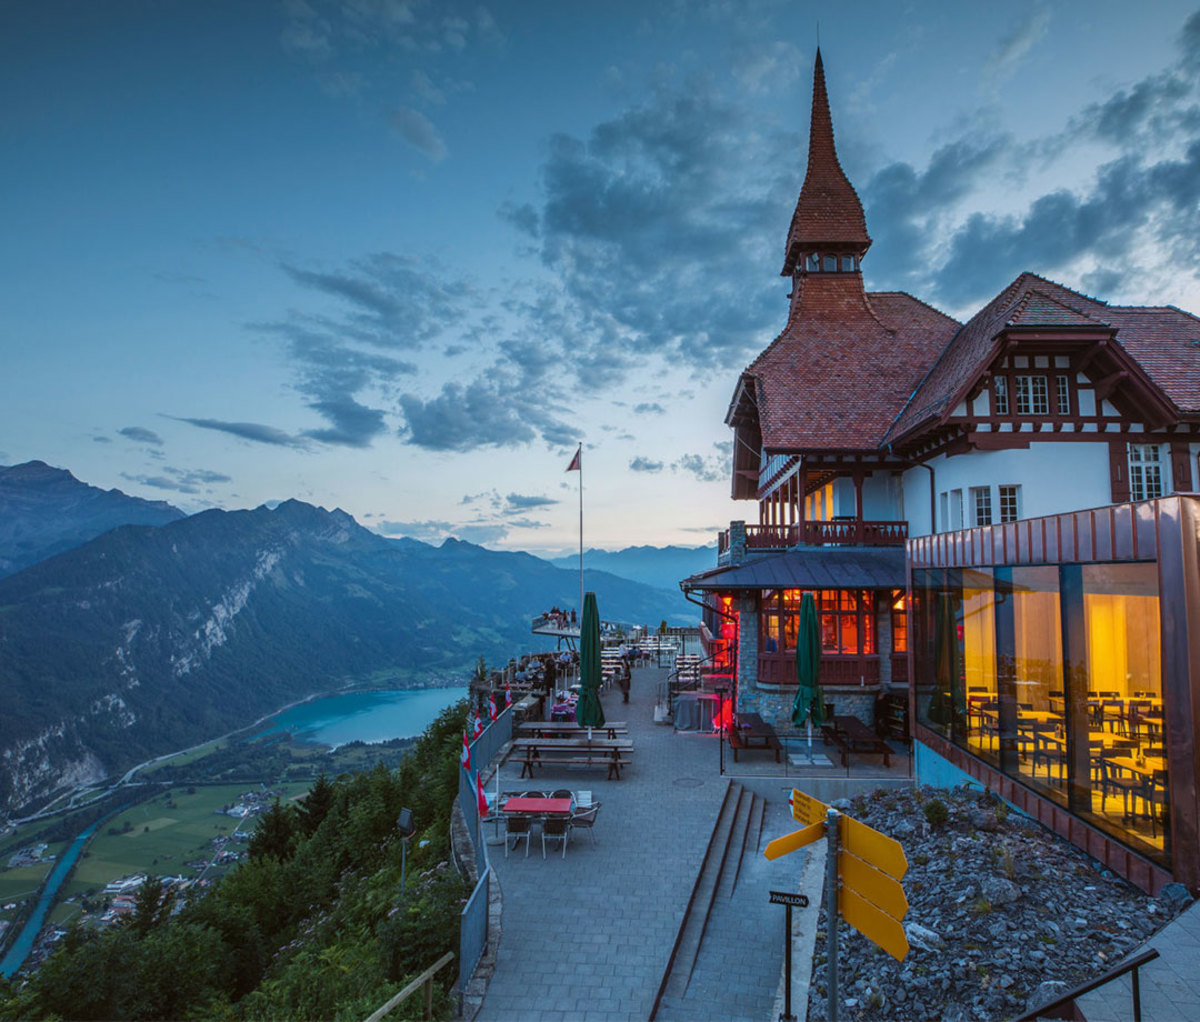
(517,827)
(562,793)
(556,828)
(586,820)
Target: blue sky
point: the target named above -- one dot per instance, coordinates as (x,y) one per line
(401,257)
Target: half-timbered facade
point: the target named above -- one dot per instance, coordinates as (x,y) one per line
(874,417)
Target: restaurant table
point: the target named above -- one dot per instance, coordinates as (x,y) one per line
(526,806)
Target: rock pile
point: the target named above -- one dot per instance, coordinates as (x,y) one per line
(1003,915)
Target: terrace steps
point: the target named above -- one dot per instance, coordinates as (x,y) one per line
(737,831)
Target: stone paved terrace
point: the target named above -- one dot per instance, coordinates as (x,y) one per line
(588,936)
(1170,985)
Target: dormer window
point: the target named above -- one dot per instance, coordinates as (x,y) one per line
(830,264)
(1032,395)
(847,264)
(814,263)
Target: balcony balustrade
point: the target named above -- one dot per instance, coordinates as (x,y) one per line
(848,532)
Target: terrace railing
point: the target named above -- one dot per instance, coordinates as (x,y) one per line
(473,920)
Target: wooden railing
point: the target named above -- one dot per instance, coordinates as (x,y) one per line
(426,980)
(853,533)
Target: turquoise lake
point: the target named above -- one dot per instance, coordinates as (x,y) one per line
(366,716)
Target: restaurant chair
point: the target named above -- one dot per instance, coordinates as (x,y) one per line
(563,793)
(1114,779)
(586,820)
(556,828)
(1156,796)
(517,827)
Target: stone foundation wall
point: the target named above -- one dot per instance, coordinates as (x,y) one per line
(775,705)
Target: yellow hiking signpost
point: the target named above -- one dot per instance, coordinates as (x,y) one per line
(862,877)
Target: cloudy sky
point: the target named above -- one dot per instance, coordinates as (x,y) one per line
(401,257)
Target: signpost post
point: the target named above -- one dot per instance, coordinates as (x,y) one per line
(863,870)
(789,900)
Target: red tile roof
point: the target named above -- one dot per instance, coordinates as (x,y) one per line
(1165,342)
(844,366)
(829,211)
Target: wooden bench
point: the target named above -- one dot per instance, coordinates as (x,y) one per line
(613,753)
(850,735)
(614,763)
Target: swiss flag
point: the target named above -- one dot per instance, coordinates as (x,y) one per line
(465,758)
(480,797)
(492,714)
(478,725)
(577,461)
(507,696)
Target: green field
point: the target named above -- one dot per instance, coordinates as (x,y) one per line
(165,832)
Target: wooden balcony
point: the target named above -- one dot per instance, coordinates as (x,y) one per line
(849,532)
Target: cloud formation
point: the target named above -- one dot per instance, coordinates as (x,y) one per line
(1139,211)
(654,225)
(417,130)
(179,480)
(255,431)
(140,435)
(640,464)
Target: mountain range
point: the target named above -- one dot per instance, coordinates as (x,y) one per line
(661,567)
(147,639)
(44,511)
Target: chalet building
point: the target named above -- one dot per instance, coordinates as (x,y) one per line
(916,474)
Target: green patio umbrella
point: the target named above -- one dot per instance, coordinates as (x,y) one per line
(588,710)
(809,703)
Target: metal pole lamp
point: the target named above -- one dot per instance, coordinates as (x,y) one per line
(722,691)
(407,827)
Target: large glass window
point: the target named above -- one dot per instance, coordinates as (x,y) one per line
(1053,674)
(846,618)
(899,622)
(1034,648)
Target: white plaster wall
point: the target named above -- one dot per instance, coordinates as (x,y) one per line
(1054,477)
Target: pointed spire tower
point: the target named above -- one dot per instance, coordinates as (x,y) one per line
(828,233)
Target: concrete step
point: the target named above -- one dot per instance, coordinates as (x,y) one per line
(717,877)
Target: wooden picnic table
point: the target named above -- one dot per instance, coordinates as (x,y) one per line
(611,752)
(752,732)
(569,729)
(849,735)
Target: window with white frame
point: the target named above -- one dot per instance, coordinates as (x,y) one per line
(1001,392)
(1063,384)
(981,505)
(1032,395)
(944,510)
(1145,472)
(956,509)
(1010,503)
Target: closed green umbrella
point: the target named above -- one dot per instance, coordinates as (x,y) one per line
(588,710)
(809,703)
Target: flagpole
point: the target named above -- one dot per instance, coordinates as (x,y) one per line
(579,455)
